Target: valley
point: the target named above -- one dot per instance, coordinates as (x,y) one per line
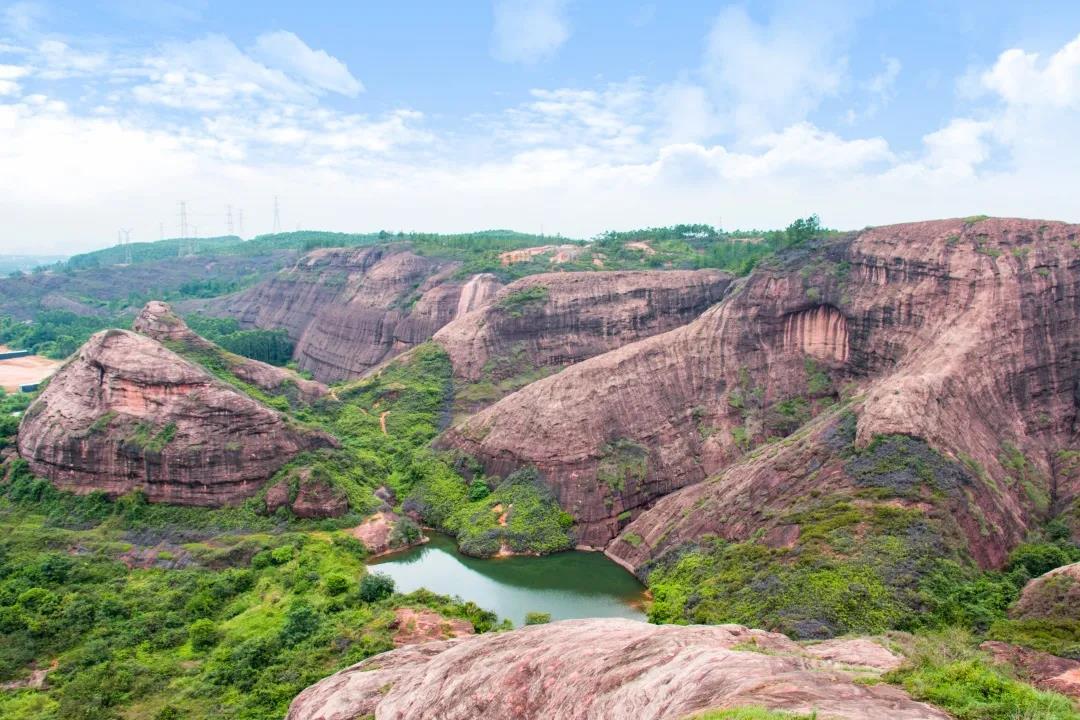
(829,461)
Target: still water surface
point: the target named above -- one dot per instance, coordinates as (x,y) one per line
(568,585)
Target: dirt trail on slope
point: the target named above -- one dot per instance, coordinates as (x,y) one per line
(382,420)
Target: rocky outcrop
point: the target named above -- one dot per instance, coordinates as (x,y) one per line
(557,319)
(126,413)
(158,321)
(612,669)
(1043,670)
(413,626)
(306,497)
(964,333)
(1055,595)
(382,533)
(350,309)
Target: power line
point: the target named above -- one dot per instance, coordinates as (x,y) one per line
(123,239)
(184,250)
(277,216)
(240,222)
(228,220)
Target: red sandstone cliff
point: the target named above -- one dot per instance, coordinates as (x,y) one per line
(158,321)
(349,309)
(126,413)
(557,319)
(962,333)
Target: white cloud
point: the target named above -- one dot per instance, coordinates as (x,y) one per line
(61,61)
(285,51)
(8,75)
(528,31)
(578,160)
(212,73)
(1020,79)
(883,83)
(775,73)
(959,146)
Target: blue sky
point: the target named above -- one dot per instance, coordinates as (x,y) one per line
(575,116)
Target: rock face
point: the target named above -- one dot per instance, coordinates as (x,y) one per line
(1043,670)
(964,333)
(126,413)
(600,668)
(1055,595)
(158,321)
(557,319)
(350,309)
(313,498)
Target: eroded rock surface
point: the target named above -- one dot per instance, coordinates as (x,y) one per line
(1043,670)
(573,316)
(350,309)
(964,333)
(157,320)
(600,668)
(127,413)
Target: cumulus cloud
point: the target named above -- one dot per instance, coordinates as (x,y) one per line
(578,160)
(1020,77)
(528,31)
(285,51)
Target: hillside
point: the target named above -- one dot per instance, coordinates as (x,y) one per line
(867,434)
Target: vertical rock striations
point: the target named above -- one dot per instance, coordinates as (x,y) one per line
(350,309)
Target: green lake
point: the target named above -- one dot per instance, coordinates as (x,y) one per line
(568,585)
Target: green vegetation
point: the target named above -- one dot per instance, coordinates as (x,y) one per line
(521,302)
(269,346)
(624,462)
(12,405)
(944,669)
(520,514)
(537,618)
(210,624)
(862,564)
(55,333)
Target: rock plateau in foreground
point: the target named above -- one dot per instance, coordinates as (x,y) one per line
(613,669)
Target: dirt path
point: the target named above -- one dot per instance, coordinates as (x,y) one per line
(382,420)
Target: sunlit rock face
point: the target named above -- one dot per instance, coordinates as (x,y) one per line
(611,669)
(350,309)
(963,333)
(573,316)
(127,413)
